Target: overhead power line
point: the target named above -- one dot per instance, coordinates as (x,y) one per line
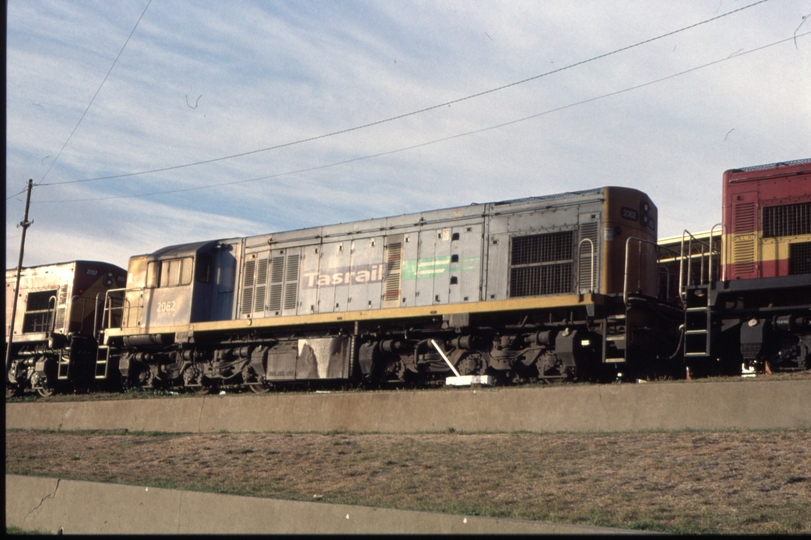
(94,95)
(405,115)
(436,141)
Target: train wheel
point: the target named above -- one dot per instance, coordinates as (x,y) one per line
(46,391)
(13,391)
(206,387)
(471,363)
(259,388)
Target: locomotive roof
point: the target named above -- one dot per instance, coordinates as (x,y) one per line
(81,261)
(780,164)
(180,250)
(354,227)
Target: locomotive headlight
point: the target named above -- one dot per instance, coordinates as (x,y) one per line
(108,281)
(646,219)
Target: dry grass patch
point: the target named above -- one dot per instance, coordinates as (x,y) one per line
(686,482)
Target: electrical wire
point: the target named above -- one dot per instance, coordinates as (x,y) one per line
(18,193)
(436,141)
(94,96)
(405,115)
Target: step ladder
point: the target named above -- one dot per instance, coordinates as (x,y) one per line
(697,274)
(102,361)
(697,322)
(614,345)
(63,365)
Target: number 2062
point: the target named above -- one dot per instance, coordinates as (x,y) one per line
(166,307)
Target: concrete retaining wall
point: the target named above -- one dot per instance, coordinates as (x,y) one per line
(73,507)
(751,404)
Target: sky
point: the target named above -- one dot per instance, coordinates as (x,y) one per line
(148,123)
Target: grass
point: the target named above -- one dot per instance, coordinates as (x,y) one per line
(16,531)
(688,482)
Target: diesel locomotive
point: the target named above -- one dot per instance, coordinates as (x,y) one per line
(746,285)
(571,286)
(554,287)
(57,325)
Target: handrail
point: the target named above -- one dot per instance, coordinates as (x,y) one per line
(591,276)
(684,278)
(109,306)
(639,278)
(96,314)
(723,266)
(107,310)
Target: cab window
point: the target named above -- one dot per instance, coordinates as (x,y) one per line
(170,273)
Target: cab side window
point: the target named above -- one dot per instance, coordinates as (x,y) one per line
(169,273)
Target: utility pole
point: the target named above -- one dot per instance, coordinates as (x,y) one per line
(24,224)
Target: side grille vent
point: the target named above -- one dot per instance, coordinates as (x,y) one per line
(247,287)
(743,240)
(587,282)
(261,280)
(394,264)
(291,282)
(745,218)
(276,283)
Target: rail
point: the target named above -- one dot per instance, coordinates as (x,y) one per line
(591,275)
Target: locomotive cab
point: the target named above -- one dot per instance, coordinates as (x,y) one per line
(181,284)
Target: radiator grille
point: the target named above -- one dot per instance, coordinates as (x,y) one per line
(542,248)
(38,301)
(542,264)
(800,258)
(787,220)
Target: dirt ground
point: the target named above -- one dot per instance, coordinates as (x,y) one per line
(683,482)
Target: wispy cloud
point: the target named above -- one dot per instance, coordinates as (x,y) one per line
(201,80)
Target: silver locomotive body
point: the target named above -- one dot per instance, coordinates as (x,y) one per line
(558,286)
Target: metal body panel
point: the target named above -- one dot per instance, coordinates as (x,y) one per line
(581,302)
(449,256)
(66,294)
(766,213)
